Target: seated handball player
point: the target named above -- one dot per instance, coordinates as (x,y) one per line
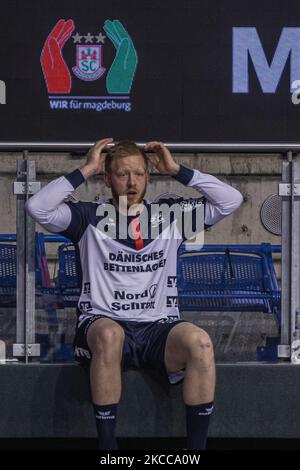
(125,316)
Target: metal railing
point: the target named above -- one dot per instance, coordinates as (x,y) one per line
(268,147)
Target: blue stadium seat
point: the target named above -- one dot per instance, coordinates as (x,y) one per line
(68,279)
(8,269)
(229,278)
(8,274)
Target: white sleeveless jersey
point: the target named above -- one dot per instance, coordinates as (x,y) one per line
(121,277)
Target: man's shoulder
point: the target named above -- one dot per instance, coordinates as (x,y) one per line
(89,204)
(72,198)
(87,209)
(185,203)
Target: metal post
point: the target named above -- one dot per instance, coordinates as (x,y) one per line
(284,349)
(25,345)
(20,231)
(289,189)
(295,259)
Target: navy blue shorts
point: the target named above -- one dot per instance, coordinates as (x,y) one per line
(144,344)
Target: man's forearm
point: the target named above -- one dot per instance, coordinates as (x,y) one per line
(175,170)
(87,171)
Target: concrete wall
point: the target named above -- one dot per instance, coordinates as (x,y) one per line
(255,176)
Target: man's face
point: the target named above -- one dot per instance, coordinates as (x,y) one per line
(129,178)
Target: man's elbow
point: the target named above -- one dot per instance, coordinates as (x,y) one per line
(235,202)
(29,207)
(33,209)
(238,199)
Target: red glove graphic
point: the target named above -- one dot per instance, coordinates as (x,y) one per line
(56,72)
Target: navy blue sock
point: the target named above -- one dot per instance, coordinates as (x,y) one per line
(197,421)
(106,417)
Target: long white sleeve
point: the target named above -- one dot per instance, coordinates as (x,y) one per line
(221,198)
(47,207)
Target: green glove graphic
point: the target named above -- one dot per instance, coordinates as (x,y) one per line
(120,75)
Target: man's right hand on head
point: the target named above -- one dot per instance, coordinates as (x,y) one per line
(95,158)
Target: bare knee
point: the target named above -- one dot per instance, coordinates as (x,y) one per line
(200,348)
(105,338)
